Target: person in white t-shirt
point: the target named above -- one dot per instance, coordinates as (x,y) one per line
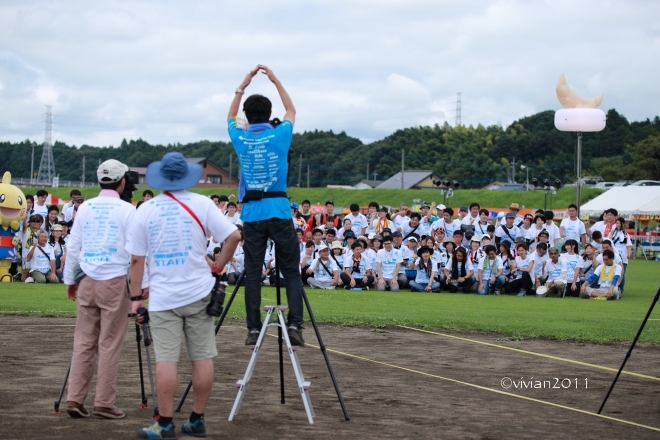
(358,220)
(508,231)
(572,228)
(622,245)
(325,270)
(388,261)
(69,205)
(551,227)
(42,260)
(472,218)
(459,272)
(233,216)
(607,275)
(40,206)
(524,271)
(426,269)
(400,217)
(445,223)
(540,257)
(170,230)
(357,272)
(490,272)
(572,260)
(96,247)
(481,226)
(554,270)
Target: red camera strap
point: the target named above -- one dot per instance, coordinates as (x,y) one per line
(184,206)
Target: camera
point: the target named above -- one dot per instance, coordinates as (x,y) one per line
(132,178)
(217,298)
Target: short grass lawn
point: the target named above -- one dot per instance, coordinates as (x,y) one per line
(569,318)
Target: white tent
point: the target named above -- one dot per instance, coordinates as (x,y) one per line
(628,200)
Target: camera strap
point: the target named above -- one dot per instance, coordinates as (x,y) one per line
(43,252)
(188,210)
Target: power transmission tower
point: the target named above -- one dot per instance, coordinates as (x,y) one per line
(47,166)
(458,109)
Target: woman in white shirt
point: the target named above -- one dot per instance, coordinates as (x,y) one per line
(572,270)
(459,272)
(524,269)
(538,225)
(623,245)
(424,280)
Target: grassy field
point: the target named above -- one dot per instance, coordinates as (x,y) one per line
(392,197)
(567,319)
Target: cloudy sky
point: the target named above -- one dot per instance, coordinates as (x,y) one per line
(166,71)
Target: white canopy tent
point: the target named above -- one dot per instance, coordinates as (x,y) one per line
(628,200)
(632,202)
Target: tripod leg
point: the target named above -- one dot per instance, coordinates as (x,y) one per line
(625,359)
(147,343)
(138,338)
(325,355)
(279,329)
(56,406)
(217,327)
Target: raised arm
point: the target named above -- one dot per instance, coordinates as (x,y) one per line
(289,109)
(236,102)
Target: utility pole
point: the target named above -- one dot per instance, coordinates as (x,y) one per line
(83,172)
(299,170)
(32,166)
(308,176)
(458,109)
(375,174)
(367,170)
(402,167)
(230,164)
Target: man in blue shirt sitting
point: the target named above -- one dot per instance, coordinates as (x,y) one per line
(262,151)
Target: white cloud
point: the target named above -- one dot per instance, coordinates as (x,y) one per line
(166,71)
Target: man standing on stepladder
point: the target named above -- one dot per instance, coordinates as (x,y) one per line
(262,151)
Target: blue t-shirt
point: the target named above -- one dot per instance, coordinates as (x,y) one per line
(263,162)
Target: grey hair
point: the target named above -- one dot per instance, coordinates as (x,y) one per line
(553,249)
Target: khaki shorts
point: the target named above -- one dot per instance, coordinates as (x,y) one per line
(168,326)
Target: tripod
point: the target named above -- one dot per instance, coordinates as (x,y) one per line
(280,341)
(625,359)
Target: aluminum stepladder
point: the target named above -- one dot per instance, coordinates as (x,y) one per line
(303,385)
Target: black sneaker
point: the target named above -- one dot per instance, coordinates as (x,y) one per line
(295,335)
(252,337)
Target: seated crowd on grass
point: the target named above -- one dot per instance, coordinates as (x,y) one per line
(432,250)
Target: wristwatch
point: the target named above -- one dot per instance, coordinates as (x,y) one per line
(136,298)
(239,90)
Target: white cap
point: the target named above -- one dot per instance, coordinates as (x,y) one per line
(441,206)
(111,171)
(323,248)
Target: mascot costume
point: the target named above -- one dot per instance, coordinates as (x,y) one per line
(12,209)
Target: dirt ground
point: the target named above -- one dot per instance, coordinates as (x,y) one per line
(383,401)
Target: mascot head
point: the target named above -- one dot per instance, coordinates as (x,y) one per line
(12,202)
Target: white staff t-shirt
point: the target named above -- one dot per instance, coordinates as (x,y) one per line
(573,229)
(175,246)
(358,222)
(388,261)
(320,273)
(39,261)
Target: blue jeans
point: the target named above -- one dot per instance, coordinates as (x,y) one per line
(286,241)
(499,282)
(421,287)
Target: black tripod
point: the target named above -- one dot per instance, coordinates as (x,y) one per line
(625,359)
(280,341)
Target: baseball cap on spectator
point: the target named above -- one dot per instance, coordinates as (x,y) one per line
(463,208)
(63,223)
(426,205)
(173,173)
(500,215)
(441,207)
(111,171)
(510,215)
(349,234)
(294,205)
(56,227)
(323,248)
(475,238)
(544,232)
(375,237)
(414,237)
